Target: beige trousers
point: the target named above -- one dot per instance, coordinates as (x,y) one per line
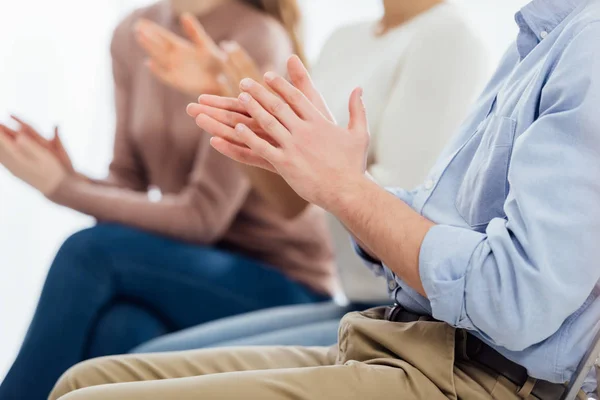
(374,359)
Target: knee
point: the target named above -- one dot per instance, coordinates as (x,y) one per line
(86,247)
(85,374)
(78,246)
(122,327)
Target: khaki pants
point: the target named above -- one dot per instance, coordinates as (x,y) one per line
(374,359)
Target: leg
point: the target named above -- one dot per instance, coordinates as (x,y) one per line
(165,366)
(183,284)
(75,289)
(281,322)
(317,334)
(260,373)
(374,359)
(121,327)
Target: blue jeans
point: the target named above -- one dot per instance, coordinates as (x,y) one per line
(299,325)
(111,288)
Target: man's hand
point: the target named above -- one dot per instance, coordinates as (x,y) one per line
(191,66)
(293,134)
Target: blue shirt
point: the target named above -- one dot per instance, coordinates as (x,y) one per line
(515,257)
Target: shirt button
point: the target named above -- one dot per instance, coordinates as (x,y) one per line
(544,34)
(392,285)
(429,184)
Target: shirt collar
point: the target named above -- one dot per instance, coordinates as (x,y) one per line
(540,17)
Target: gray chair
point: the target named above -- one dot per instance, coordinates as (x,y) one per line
(591,358)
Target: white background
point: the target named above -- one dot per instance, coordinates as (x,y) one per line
(54,69)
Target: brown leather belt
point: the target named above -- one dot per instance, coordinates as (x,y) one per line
(471,348)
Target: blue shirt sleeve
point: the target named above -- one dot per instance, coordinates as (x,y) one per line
(517,283)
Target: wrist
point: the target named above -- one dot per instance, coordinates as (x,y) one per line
(347,194)
(59,192)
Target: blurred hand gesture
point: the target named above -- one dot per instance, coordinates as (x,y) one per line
(41,163)
(193,65)
(54,145)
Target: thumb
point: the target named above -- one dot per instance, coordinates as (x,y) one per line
(56,140)
(358,114)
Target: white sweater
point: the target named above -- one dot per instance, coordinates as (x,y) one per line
(419,81)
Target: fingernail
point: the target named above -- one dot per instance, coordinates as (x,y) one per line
(244,98)
(269,76)
(239,128)
(246,83)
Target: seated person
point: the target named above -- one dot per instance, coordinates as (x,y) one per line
(211,247)
(494,257)
(410,74)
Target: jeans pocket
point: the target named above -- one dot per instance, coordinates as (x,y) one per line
(483,191)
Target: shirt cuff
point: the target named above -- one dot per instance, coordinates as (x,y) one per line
(444,262)
(372,263)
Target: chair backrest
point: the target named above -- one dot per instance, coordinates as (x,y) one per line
(583,369)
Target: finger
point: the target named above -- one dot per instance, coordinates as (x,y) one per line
(301,79)
(218,129)
(8,147)
(196,32)
(240,154)
(28,147)
(258,145)
(23,125)
(267,121)
(161,35)
(241,65)
(292,96)
(242,61)
(233,73)
(5,130)
(161,72)
(270,102)
(228,118)
(155,40)
(358,114)
(58,145)
(157,53)
(224,103)
(27,129)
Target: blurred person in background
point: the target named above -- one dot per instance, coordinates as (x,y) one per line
(211,246)
(421,67)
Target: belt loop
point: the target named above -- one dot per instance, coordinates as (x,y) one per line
(527,388)
(463,344)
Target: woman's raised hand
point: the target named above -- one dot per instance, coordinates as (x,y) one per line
(55,144)
(41,163)
(193,65)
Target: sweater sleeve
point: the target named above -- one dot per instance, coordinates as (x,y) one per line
(201,212)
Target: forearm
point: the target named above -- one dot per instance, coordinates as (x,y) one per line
(387,227)
(171,216)
(275,190)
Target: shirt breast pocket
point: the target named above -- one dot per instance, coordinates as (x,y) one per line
(483,191)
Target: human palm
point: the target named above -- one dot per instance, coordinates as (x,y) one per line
(192,65)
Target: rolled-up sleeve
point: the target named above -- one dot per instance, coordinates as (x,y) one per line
(517,282)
